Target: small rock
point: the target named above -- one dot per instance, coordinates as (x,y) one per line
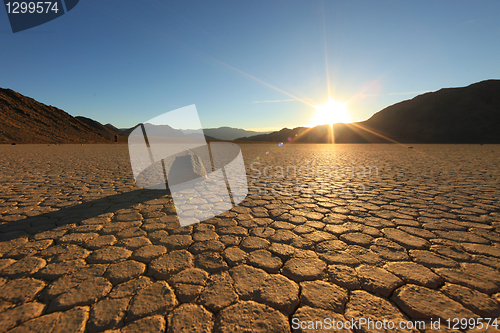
(186,168)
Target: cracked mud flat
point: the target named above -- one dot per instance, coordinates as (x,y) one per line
(84,250)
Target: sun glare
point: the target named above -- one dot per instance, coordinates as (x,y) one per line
(331,112)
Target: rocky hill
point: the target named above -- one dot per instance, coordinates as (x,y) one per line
(24,120)
(452,115)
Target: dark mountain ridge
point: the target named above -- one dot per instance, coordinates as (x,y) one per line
(451,115)
(24,120)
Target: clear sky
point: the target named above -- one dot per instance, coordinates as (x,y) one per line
(248,64)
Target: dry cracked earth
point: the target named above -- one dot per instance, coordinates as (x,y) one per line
(380,232)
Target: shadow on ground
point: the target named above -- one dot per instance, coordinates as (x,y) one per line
(77,213)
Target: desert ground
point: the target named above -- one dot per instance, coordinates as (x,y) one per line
(400,237)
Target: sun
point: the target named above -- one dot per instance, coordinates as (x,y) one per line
(331,112)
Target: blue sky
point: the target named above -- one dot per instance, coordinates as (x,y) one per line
(248,64)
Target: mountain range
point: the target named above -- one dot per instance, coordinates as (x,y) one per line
(24,120)
(451,115)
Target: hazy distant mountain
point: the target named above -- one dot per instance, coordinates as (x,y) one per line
(221,133)
(229,133)
(226,133)
(24,120)
(453,115)
(167,131)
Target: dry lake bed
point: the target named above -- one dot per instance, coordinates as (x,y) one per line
(337,238)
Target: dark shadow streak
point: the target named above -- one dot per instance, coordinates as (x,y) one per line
(74,214)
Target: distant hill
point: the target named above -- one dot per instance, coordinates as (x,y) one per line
(226,133)
(452,115)
(165,130)
(229,133)
(24,120)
